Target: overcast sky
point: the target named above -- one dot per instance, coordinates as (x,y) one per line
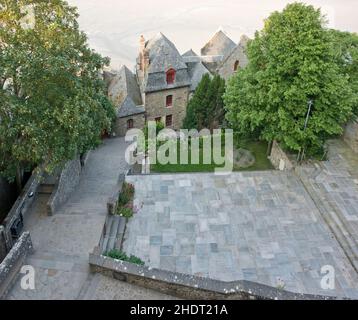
(114,26)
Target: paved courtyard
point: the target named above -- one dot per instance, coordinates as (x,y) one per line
(258,226)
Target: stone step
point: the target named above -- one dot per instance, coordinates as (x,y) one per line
(108,223)
(113,233)
(120,233)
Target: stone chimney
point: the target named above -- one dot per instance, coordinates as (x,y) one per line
(141,52)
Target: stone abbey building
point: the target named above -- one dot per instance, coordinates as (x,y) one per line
(164,80)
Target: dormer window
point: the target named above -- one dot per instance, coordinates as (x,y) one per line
(170,76)
(236,65)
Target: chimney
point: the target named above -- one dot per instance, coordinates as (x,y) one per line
(141,52)
(145,60)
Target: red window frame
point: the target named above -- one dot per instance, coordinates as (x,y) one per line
(169,120)
(130,124)
(169,101)
(170,76)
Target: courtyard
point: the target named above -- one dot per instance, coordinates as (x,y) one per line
(257,226)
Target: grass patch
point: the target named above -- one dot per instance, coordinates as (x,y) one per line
(120,255)
(257,148)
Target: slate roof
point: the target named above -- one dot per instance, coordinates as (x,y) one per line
(219,45)
(124,92)
(196,72)
(163,55)
(129,108)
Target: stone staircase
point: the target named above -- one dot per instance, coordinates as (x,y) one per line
(113,233)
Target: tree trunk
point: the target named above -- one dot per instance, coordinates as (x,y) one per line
(19,179)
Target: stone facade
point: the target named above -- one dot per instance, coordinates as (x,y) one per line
(237,59)
(121,124)
(351,135)
(279,159)
(69,179)
(156,105)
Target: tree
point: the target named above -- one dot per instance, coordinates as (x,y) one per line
(53,101)
(205,109)
(346,53)
(291,61)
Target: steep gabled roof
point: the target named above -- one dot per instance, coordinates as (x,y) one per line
(124,84)
(163,55)
(196,71)
(129,108)
(189,53)
(219,45)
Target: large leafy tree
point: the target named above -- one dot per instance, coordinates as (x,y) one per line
(346,53)
(53,104)
(206,107)
(292,61)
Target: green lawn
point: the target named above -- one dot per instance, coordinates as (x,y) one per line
(258,148)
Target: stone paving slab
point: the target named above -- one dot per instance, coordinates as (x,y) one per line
(258,226)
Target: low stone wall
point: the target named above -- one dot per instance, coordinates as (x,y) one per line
(22,205)
(351,135)
(189,286)
(69,179)
(279,159)
(11,265)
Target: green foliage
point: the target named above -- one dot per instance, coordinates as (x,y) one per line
(346,54)
(126,194)
(291,61)
(120,255)
(206,108)
(125,212)
(53,101)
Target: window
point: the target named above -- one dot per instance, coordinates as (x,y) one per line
(169,120)
(159,119)
(236,65)
(169,101)
(130,124)
(170,76)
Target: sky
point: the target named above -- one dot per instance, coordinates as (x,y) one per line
(114,26)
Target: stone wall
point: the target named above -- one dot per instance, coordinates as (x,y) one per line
(155,105)
(22,204)
(351,135)
(226,70)
(189,286)
(11,265)
(120,127)
(69,179)
(279,159)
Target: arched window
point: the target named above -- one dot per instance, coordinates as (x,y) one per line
(130,124)
(170,76)
(236,65)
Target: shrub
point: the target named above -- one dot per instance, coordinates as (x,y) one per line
(126,195)
(120,255)
(126,212)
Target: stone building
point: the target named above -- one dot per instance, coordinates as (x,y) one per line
(164,80)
